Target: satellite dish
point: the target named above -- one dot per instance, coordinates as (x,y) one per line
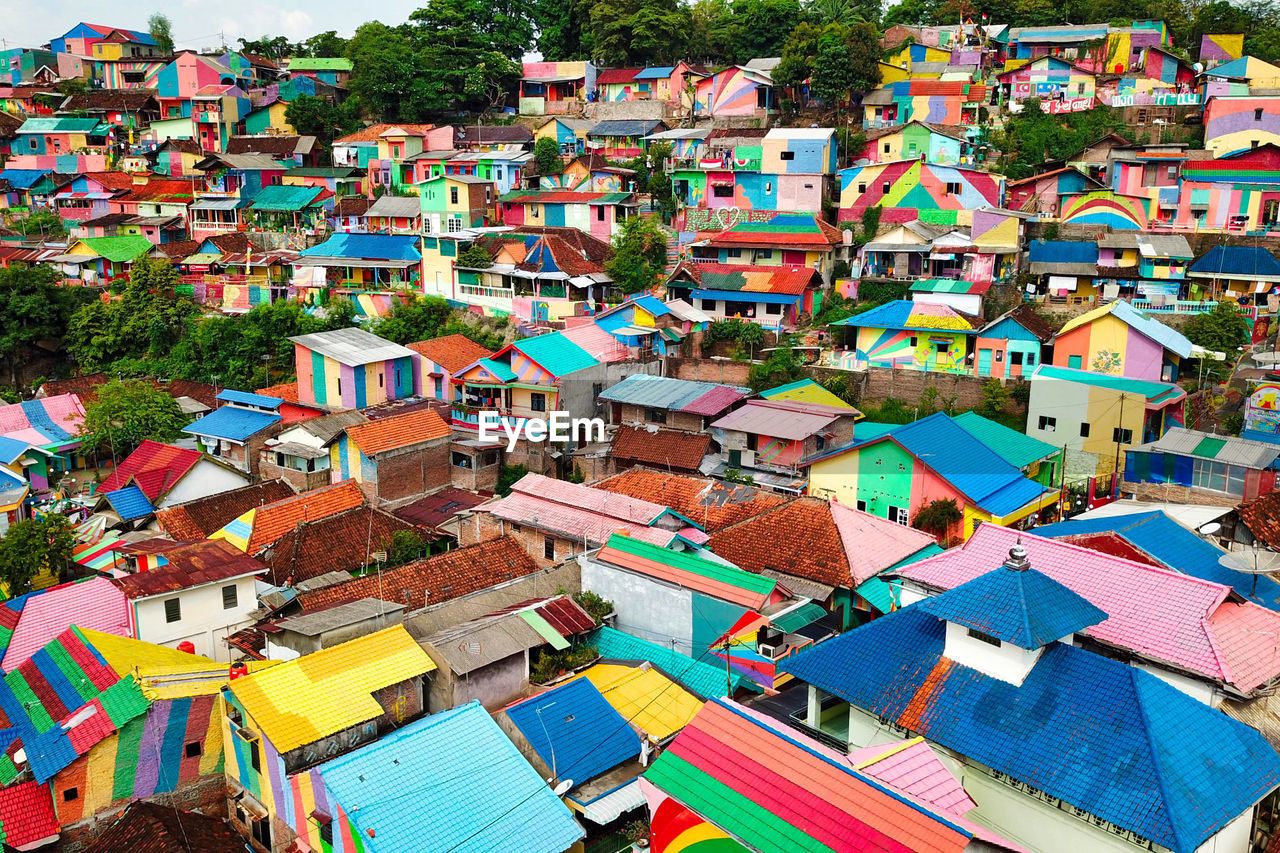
(1210,529)
(564,787)
(1255,563)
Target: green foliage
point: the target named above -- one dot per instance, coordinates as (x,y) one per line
(546,155)
(731,32)
(1031,137)
(31,545)
(551,663)
(844,12)
(872,293)
(322,118)
(937,516)
(796,63)
(325,45)
(509,475)
(272,47)
(597,608)
(735,475)
(639,255)
(126,413)
(994,399)
(834,309)
(1221,330)
(160,29)
(474,257)
(418,318)
(405,546)
(637,32)
(33,308)
(783,366)
(41,225)
(891,411)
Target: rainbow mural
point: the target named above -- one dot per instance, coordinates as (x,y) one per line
(675,829)
(917,185)
(1230,124)
(1124,213)
(732,92)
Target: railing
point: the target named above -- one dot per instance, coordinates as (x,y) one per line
(1178,306)
(799,720)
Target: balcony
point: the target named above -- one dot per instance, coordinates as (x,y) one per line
(833,730)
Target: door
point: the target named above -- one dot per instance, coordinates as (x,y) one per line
(984,362)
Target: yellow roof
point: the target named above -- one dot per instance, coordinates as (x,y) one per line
(806,391)
(316,695)
(124,655)
(202,677)
(648,699)
(1087,317)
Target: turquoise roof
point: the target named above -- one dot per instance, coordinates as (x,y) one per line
(1154,392)
(498,369)
(694,674)
(556,354)
(1018,449)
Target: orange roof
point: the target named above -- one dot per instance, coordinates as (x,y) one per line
(287,391)
(373,131)
(452,352)
(275,520)
(398,431)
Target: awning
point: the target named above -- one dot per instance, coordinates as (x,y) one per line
(360,263)
(217,204)
(631,331)
(942,256)
(614,804)
(552,79)
(1062,282)
(747,296)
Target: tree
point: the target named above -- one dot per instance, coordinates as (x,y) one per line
(833,73)
(638,32)
(911,13)
(659,183)
(938,516)
(639,255)
(326,44)
(474,257)
(322,118)
(796,63)
(42,225)
(994,398)
(760,28)
(546,156)
(128,412)
(560,29)
(161,30)
(405,546)
(33,308)
(272,47)
(844,12)
(1223,329)
(782,367)
(864,53)
(31,546)
(415,319)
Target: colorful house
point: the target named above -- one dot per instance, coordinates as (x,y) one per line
(394,458)
(779,437)
(965,297)
(1011,345)
(1067,269)
(555,88)
(1233,192)
(234,432)
(784,239)
(275,745)
(1217,48)
(81,38)
(451,203)
(362,260)
(934,101)
(41,136)
(351,368)
(1082,411)
(598,214)
(911,336)
(332,70)
(438,359)
(902,470)
(1050,79)
(934,143)
(590,173)
(1042,194)
(1235,272)
(1211,467)
(772,296)
(1119,340)
(1146,266)
(621,139)
(569,133)
(393,214)
(735,91)
(917,185)
(106,259)
(1233,124)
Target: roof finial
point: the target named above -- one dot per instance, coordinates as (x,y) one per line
(1017,561)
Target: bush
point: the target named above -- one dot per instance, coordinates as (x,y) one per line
(937,517)
(552,663)
(508,475)
(597,607)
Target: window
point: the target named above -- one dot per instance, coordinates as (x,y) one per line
(985,638)
(326,832)
(753,442)
(453,195)
(70,795)
(533,211)
(774,308)
(999,356)
(1080,88)
(887,147)
(538,402)
(194,748)
(1218,477)
(1257,114)
(953,188)
(460,460)
(230,597)
(861,506)
(490,457)
(898,515)
(1048,424)
(172,610)
(764,254)
(913,340)
(862,188)
(1031,359)
(255,755)
(722,191)
(453,224)
(768,187)
(597,388)
(260,830)
(655,416)
(599,213)
(1074,362)
(734,253)
(548,547)
(788,155)
(339,386)
(1122,436)
(885,187)
(380,380)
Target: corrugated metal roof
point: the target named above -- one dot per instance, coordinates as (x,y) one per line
(680,395)
(574,730)
(352,346)
(1220,448)
(129,503)
(397,206)
(230,395)
(781,419)
(232,423)
(555,354)
(1160,393)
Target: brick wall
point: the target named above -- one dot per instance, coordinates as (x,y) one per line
(207,795)
(301,481)
(413,471)
(684,421)
(710,370)
(482,526)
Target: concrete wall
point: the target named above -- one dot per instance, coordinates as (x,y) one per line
(566,578)
(494,685)
(645,608)
(203,620)
(683,421)
(482,526)
(206,795)
(207,478)
(621,110)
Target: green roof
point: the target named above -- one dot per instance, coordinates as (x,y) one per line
(90,126)
(1209,448)
(1017,449)
(281,197)
(867,430)
(556,354)
(942,285)
(119,249)
(320,63)
(697,676)
(882,594)
(794,620)
(498,369)
(1154,392)
(687,562)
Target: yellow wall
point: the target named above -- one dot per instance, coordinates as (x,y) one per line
(836,478)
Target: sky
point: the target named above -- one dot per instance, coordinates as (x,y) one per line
(196,23)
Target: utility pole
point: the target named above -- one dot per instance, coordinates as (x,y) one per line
(1115,473)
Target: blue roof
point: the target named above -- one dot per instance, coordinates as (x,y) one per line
(23,179)
(1238,68)
(1243,261)
(39,419)
(575,731)
(1169,338)
(1175,546)
(891,315)
(448,782)
(229,395)
(1020,606)
(1099,734)
(654,73)
(382,247)
(1063,252)
(11,449)
(232,423)
(694,674)
(129,503)
(652,304)
(962,460)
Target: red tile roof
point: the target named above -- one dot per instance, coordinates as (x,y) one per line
(398,431)
(287,391)
(374,131)
(115,180)
(798,538)
(452,352)
(453,574)
(199,518)
(665,448)
(434,510)
(340,542)
(713,504)
(822,235)
(153,467)
(274,520)
(1262,517)
(617,75)
(147,827)
(199,563)
(26,812)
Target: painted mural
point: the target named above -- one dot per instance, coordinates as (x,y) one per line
(912,349)
(675,829)
(1124,213)
(938,102)
(913,184)
(1262,413)
(1216,48)
(1236,124)
(732,92)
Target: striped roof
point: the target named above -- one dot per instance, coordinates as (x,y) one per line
(1156,393)
(43,422)
(676,395)
(694,674)
(691,572)
(776,790)
(651,701)
(1149,327)
(905,314)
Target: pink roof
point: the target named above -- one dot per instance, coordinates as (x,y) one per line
(913,767)
(592,500)
(97,604)
(572,522)
(64,410)
(1183,622)
(598,343)
(873,544)
(781,419)
(715,401)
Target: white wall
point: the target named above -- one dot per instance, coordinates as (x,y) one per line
(645,608)
(1201,691)
(1232,838)
(969,303)
(203,620)
(207,478)
(1006,661)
